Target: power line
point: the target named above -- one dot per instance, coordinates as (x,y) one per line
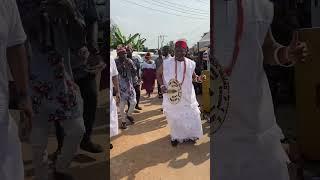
(195,38)
(191,17)
(191,9)
(177,10)
(180,7)
(193,30)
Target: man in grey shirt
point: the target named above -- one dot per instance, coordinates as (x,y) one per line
(127,70)
(137,77)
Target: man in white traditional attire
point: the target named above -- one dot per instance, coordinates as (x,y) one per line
(247,146)
(180,105)
(12,53)
(114,83)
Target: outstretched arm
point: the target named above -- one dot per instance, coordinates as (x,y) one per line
(160,79)
(276,54)
(197,78)
(269,47)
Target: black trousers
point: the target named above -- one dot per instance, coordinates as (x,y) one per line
(159,89)
(89,93)
(138,94)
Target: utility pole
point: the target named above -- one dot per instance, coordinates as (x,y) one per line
(161,40)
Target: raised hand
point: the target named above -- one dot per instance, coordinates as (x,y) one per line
(297,50)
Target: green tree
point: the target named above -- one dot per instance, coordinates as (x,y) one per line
(118,38)
(138,43)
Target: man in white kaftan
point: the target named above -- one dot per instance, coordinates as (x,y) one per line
(184,117)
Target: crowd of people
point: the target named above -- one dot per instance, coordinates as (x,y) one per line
(179,102)
(49,48)
(51,53)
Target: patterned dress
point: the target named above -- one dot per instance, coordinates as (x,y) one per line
(55,96)
(126,79)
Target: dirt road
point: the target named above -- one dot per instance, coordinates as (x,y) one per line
(144,152)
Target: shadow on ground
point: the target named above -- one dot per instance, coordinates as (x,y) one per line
(96,171)
(85,165)
(129,163)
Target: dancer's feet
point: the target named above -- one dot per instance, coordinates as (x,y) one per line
(192,141)
(91,147)
(62,176)
(124,125)
(130,118)
(55,155)
(139,108)
(174,143)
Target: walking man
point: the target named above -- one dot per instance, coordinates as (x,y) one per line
(55,96)
(83,57)
(127,70)
(180,105)
(137,78)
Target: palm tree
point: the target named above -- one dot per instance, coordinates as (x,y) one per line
(118,38)
(138,44)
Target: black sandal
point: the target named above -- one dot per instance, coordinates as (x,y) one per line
(124,125)
(174,143)
(131,119)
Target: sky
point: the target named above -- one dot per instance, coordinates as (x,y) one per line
(175,19)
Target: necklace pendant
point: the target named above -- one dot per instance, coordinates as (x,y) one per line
(174,91)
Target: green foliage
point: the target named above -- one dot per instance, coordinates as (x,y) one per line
(118,38)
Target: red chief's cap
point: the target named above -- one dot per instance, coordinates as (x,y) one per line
(182,44)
